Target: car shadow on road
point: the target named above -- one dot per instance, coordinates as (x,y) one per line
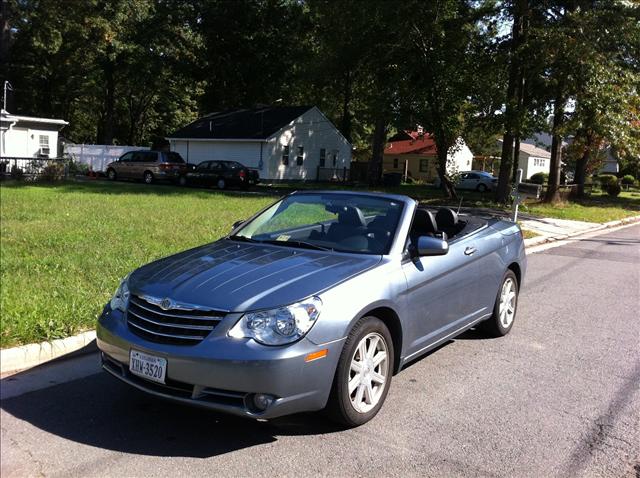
(102,412)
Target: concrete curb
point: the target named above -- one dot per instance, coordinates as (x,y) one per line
(538,240)
(20,358)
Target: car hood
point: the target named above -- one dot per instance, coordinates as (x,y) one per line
(237,277)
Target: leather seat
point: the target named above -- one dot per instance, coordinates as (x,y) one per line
(351,222)
(424,224)
(447,221)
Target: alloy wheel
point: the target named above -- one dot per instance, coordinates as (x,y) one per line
(368,372)
(507,308)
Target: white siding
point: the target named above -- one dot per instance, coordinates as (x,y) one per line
(531,165)
(460,157)
(25,142)
(245,152)
(313,131)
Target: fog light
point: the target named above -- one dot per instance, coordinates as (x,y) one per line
(262,401)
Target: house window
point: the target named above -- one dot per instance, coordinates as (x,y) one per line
(285,155)
(395,163)
(335,159)
(424,165)
(44,144)
(323,157)
(300,156)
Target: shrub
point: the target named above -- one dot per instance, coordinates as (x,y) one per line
(628,179)
(613,189)
(78,168)
(539,178)
(607,179)
(16,172)
(54,171)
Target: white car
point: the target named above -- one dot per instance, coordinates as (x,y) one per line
(480,181)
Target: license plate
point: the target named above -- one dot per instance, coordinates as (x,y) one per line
(148,366)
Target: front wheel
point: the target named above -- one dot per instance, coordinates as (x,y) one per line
(182,181)
(111,174)
(363,375)
(504,310)
(221,183)
(481,188)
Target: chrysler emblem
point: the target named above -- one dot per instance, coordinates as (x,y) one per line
(166,304)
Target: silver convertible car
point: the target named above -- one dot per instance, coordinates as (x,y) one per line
(313,303)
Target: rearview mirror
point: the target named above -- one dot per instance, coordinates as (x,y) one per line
(432,246)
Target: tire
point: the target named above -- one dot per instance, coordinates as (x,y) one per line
(499,325)
(221,183)
(371,336)
(481,188)
(147,177)
(182,181)
(111,174)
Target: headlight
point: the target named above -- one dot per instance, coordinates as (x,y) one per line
(120,299)
(279,326)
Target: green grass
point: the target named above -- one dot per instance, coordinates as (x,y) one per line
(65,247)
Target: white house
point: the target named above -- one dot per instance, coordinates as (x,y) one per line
(533,160)
(282,142)
(416,152)
(28,136)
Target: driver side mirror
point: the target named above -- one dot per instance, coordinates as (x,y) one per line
(431,246)
(237,224)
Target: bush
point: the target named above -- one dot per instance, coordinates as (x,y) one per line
(607,179)
(613,189)
(78,168)
(628,180)
(16,172)
(54,171)
(539,178)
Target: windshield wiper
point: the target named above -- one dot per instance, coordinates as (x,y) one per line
(243,239)
(302,244)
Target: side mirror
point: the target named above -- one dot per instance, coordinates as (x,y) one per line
(237,224)
(432,246)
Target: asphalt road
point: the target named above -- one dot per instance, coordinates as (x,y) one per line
(559,396)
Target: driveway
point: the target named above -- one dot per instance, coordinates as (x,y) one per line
(559,396)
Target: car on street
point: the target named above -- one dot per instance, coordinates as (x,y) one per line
(149,166)
(313,303)
(480,181)
(221,174)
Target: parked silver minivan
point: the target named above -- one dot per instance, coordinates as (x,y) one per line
(149,166)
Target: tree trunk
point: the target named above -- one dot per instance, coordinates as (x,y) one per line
(109,102)
(448,188)
(516,158)
(553,188)
(345,123)
(581,165)
(512,102)
(377,150)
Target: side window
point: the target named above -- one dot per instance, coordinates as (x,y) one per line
(335,159)
(424,165)
(300,156)
(285,155)
(138,157)
(203,166)
(323,157)
(150,156)
(395,163)
(216,166)
(127,157)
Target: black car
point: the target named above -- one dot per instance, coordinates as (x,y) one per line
(221,174)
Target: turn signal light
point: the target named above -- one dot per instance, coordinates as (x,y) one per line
(316,355)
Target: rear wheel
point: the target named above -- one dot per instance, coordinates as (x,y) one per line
(148,177)
(111,174)
(363,375)
(481,188)
(504,310)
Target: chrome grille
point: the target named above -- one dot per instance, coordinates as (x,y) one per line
(177,326)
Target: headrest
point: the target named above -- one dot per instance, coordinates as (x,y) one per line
(351,216)
(445,217)
(423,221)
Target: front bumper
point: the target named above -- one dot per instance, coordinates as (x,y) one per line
(222,373)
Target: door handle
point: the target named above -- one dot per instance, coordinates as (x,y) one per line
(470,251)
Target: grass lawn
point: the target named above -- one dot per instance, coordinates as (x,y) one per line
(64,247)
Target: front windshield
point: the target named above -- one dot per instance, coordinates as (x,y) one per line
(341,222)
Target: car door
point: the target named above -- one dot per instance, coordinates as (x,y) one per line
(123,165)
(199,175)
(442,294)
(148,162)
